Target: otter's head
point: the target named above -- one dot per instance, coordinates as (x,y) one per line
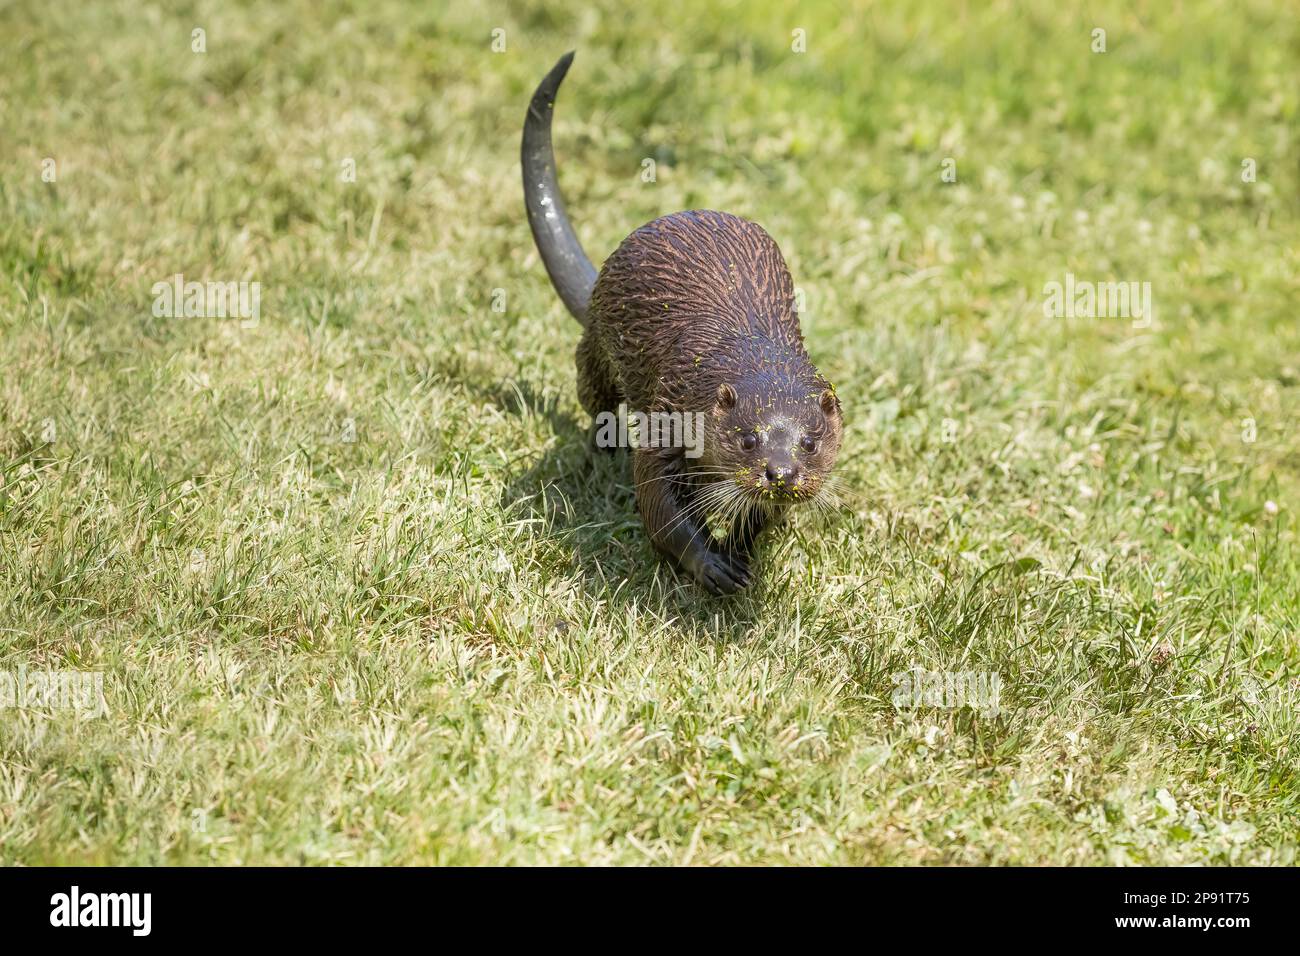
(777,445)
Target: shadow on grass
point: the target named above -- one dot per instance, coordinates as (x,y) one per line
(581,499)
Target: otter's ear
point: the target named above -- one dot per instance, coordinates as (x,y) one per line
(726,396)
(829,402)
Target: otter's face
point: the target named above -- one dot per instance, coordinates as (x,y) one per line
(777,448)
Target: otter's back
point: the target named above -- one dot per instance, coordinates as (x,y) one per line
(684,283)
(699,262)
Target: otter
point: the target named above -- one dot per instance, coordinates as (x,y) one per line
(692,313)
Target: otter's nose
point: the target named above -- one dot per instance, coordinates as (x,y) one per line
(781,475)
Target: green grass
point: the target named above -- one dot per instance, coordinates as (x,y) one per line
(449,641)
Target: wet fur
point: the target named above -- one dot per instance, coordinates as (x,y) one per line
(686,304)
(694,312)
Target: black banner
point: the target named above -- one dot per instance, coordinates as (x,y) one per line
(339,905)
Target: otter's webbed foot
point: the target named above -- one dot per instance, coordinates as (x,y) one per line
(720,572)
(677,532)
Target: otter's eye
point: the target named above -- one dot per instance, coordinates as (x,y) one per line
(808,444)
(749,442)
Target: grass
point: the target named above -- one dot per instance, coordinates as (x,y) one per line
(448,641)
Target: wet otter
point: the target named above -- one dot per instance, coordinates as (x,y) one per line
(694,312)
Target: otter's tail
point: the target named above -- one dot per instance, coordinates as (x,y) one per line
(571,271)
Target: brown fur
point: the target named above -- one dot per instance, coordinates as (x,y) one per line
(695,312)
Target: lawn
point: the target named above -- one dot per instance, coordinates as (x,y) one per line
(359,592)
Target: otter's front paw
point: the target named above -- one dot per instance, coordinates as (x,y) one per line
(719,573)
